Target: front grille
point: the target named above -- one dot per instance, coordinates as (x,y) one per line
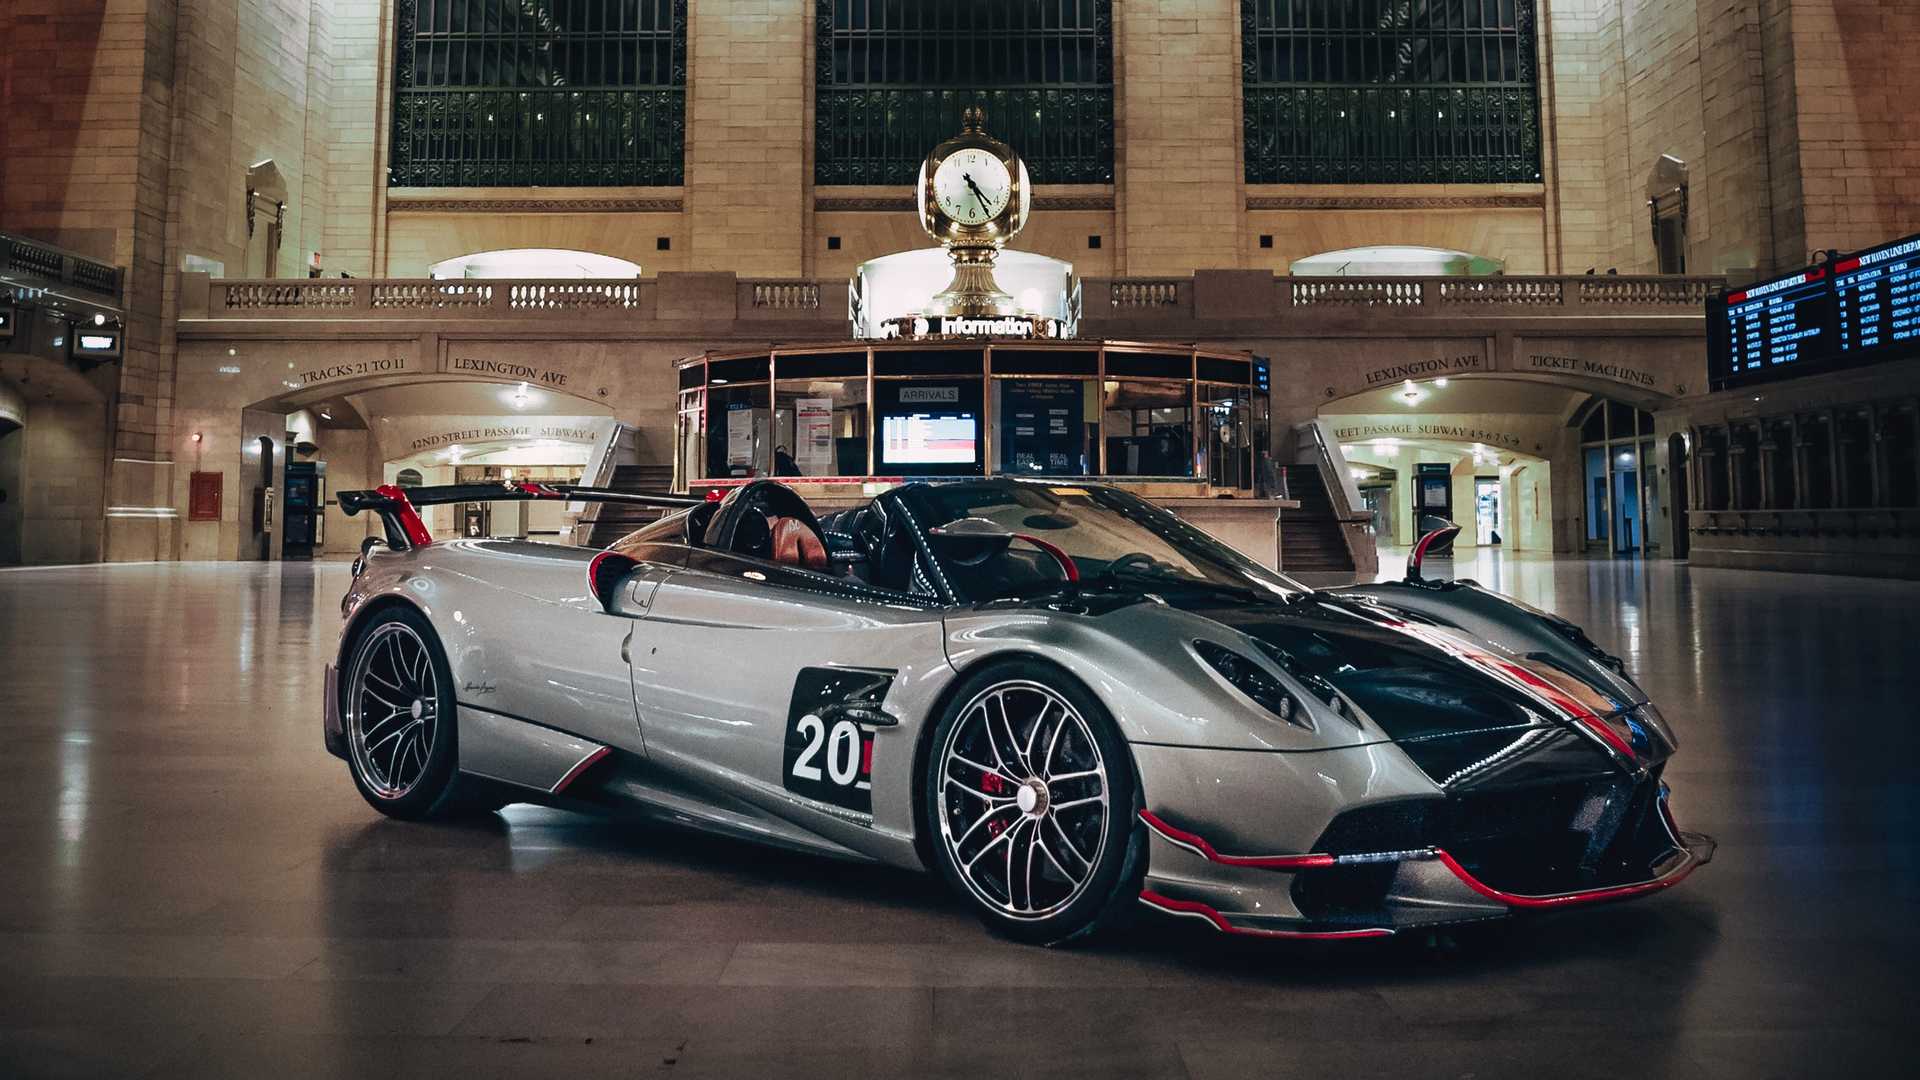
(1392,826)
(1535,840)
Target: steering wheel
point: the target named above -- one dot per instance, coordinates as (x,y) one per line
(743,523)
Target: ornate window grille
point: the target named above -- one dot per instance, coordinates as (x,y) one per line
(893,76)
(515,93)
(1390,91)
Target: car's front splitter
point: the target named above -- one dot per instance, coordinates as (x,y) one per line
(1252,894)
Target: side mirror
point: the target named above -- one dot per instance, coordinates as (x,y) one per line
(1437,543)
(971,540)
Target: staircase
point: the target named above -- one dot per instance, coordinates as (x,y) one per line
(611,521)
(1311,537)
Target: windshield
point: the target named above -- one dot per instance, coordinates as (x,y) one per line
(1113,538)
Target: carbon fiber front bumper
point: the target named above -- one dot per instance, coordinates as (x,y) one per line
(1203,862)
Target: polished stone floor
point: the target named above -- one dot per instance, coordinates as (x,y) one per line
(189,886)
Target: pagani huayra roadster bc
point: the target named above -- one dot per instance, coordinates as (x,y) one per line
(1067,702)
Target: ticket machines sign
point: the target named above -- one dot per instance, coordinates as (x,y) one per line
(1860,309)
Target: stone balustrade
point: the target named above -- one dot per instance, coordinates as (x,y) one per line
(1138,302)
(40,266)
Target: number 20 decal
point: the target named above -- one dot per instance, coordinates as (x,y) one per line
(830,758)
(845,748)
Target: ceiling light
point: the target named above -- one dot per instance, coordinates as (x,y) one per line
(1441,383)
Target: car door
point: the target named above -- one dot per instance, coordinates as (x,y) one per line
(786,688)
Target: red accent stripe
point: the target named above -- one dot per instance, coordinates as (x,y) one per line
(1568,705)
(1816,274)
(1065,560)
(1427,541)
(586,763)
(1219,921)
(1589,896)
(537,490)
(1845,265)
(1736,298)
(411,526)
(1268,862)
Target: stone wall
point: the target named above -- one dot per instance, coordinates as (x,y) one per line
(748,168)
(1859,121)
(1178,142)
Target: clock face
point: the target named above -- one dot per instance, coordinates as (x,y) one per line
(972,186)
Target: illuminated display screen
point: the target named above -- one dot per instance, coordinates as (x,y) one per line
(1781,322)
(1878,296)
(928,439)
(97,342)
(1857,310)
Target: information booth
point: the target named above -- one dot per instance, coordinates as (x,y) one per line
(1183,426)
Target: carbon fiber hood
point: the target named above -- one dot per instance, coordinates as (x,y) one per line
(1450,699)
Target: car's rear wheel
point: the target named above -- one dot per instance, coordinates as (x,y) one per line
(402,731)
(1031,804)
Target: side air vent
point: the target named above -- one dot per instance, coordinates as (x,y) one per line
(605,573)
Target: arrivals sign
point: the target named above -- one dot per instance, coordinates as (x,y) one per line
(1857,310)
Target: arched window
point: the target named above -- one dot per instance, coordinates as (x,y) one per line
(502,93)
(1394,260)
(1390,91)
(892,79)
(534,263)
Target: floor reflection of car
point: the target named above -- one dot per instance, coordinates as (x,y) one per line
(1068,702)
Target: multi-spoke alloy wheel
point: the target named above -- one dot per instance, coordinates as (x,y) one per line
(1030,798)
(393,709)
(403,735)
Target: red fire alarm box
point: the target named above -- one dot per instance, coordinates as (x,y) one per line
(203,496)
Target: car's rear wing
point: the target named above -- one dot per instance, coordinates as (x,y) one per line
(398,507)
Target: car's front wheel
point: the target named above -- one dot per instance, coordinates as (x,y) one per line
(1030,802)
(402,732)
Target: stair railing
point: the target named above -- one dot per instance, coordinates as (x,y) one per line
(582,516)
(1313,447)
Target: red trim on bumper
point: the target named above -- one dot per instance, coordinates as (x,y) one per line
(583,765)
(1197,844)
(1588,896)
(1219,921)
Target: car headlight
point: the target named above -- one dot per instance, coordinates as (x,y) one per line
(1254,681)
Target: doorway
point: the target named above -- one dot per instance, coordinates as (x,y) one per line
(1627,523)
(13,444)
(263,499)
(1677,484)
(1486,510)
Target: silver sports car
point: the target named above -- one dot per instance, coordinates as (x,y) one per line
(1068,702)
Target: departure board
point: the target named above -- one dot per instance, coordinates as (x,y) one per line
(1878,296)
(1780,323)
(1859,309)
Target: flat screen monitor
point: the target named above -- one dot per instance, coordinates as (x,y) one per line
(929,438)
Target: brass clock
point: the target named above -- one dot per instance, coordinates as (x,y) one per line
(974,196)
